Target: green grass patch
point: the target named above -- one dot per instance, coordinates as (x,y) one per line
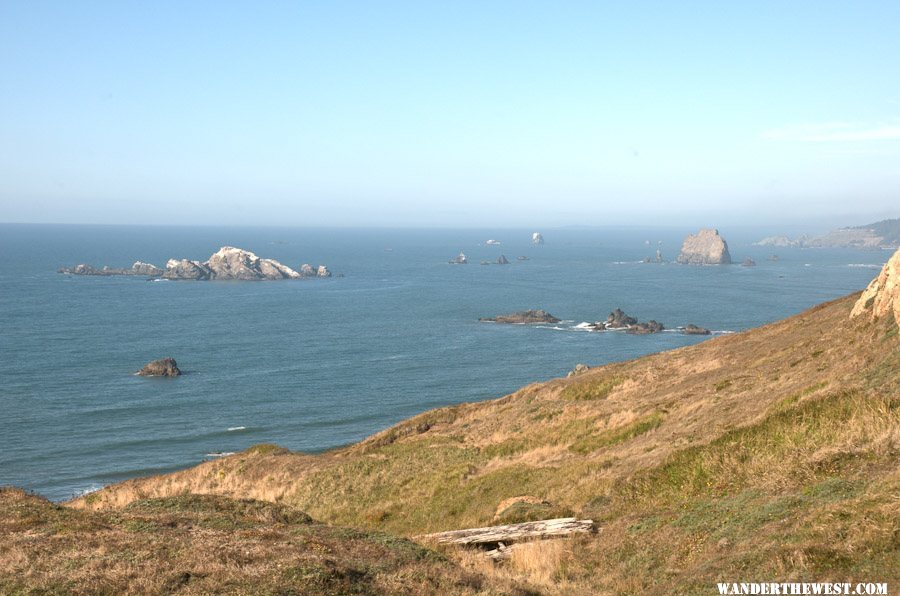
(590,389)
(220,512)
(525,512)
(615,436)
(509,447)
(884,376)
(792,400)
(737,516)
(140,525)
(777,447)
(265,449)
(834,489)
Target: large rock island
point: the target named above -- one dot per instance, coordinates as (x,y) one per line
(228,263)
(705,247)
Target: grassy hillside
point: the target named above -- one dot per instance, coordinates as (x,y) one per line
(767,454)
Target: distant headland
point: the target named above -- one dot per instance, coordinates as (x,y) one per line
(884,234)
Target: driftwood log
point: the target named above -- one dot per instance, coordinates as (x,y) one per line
(499,537)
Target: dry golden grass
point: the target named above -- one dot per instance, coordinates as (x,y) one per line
(537,563)
(203,545)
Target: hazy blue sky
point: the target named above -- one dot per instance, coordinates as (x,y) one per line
(449,113)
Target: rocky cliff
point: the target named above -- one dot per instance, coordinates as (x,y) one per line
(882,297)
(706,247)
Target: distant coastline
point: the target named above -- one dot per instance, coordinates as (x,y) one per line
(881,235)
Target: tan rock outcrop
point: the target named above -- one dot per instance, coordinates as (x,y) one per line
(882,297)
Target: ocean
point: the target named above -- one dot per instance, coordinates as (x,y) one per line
(315,364)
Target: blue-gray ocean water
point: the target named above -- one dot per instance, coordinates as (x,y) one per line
(315,364)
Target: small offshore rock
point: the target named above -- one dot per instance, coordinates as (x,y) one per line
(617,319)
(502,260)
(692,329)
(459,259)
(650,326)
(165,367)
(748,262)
(523,317)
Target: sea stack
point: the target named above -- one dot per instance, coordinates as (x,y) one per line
(692,329)
(460,259)
(537,238)
(706,247)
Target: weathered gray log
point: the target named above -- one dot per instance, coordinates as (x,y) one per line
(548,528)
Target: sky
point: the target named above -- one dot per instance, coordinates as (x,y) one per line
(449,113)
